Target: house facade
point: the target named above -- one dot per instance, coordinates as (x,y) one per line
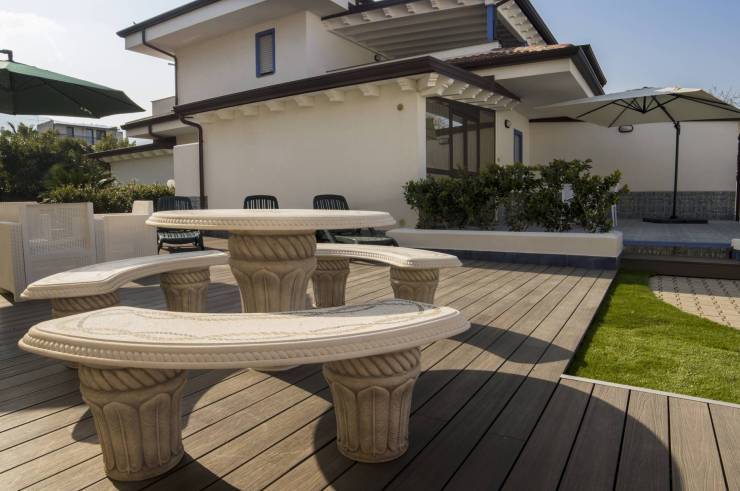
(305,97)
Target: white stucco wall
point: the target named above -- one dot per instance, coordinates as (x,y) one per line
(146,170)
(363,148)
(708,153)
(186,169)
(227,64)
(505,136)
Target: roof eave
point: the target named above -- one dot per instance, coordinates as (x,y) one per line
(162,144)
(537,21)
(367,74)
(582,56)
(165,16)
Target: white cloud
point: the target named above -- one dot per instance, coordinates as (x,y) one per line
(26,29)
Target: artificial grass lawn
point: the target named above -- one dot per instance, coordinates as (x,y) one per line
(637,339)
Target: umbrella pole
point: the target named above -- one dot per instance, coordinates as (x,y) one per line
(676,125)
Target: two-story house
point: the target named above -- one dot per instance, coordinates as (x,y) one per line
(304,97)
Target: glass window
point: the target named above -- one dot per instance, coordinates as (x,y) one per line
(458,142)
(472,155)
(70,131)
(487,138)
(438,135)
(265,52)
(458,137)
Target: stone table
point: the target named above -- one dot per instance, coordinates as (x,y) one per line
(272,251)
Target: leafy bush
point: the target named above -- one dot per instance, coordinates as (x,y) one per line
(33,162)
(526,196)
(113,199)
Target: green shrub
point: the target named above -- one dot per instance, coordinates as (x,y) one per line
(527,196)
(113,199)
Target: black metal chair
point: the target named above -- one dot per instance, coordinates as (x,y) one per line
(347,236)
(172,236)
(261,202)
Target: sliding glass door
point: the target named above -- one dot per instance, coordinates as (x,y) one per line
(458,137)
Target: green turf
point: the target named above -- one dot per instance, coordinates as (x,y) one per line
(639,340)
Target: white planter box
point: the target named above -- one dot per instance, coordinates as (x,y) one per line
(576,249)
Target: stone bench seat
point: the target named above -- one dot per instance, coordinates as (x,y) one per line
(132,362)
(184,278)
(414,273)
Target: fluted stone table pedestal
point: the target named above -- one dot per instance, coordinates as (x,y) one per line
(273,252)
(272,268)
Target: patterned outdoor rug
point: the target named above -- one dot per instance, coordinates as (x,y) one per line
(716,300)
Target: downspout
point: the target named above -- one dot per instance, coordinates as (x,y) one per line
(202,187)
(166,53)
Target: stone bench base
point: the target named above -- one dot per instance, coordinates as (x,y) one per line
(137,412)
(330,282)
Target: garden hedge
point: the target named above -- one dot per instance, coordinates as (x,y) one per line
(110,199)
(518,196)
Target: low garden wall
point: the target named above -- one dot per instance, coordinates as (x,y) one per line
(589,250)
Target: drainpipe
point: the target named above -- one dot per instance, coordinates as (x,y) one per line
(166,53)
(201,182)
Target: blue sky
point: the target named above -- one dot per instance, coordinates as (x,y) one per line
(638,42)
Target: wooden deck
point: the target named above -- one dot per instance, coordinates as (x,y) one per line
(489,411)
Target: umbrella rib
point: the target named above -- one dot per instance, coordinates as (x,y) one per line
(81,106)
(594,110)
(664,109)
(618,116)
(716,104)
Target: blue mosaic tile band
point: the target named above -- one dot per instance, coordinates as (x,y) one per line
(712,205)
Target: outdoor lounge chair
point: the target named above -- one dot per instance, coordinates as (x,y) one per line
(261,202)
(177,237)
(351,236)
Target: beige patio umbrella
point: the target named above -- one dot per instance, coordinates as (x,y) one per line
(650,105)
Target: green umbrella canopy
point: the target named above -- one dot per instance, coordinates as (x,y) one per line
(25,89)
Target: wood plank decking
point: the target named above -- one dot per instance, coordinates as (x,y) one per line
(489,411)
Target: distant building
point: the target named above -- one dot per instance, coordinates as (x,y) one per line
(89,133)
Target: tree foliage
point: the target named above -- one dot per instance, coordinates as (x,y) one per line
(32,162)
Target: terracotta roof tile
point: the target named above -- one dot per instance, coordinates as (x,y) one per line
(499,53)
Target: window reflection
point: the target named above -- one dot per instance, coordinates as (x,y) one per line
(458,137)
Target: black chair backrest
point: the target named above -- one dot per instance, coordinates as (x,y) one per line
(261,202)
(330,202)
(167,203)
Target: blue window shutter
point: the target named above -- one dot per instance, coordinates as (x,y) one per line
(518,146)
(265,52)
(491,23)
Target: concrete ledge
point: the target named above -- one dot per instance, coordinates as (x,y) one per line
(550,248)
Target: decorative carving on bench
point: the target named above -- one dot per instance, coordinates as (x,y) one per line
(272,269)
(372,403)
(62,307)
(132,364)
(414,284)
(186,290)
(137,417)
(330,281)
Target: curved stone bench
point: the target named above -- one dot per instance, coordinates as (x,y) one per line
(414,272)
(132,364)
(184,278)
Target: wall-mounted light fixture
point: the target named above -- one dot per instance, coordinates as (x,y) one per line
(626,128)
(507,123)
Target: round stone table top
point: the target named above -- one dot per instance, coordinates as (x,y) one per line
(277,220)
